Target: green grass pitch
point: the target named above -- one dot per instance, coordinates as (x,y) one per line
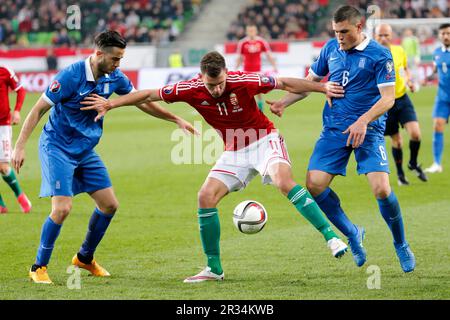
(153,242)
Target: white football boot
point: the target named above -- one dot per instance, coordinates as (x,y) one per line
(205,275)
(337,247)
(434,168)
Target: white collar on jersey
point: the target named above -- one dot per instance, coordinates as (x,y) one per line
(363,45)
(444,48)
(89,73)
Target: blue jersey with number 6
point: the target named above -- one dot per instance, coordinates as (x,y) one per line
(361,71)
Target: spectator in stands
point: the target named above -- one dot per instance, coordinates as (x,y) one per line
(62,38)
(52,61)
(279,19)
(139,20)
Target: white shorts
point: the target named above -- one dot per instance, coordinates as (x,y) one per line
(237,168)
(5,141)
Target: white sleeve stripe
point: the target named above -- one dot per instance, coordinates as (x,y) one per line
(47,99)
(314,74)
(18,87)
(386,84)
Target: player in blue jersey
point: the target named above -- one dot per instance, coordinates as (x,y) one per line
(69,163)
(354,123)
(441,111)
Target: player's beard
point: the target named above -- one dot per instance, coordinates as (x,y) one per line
(103,67)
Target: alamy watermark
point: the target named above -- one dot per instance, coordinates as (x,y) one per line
(374,280)
(74,280)
(73,21)
(251,145)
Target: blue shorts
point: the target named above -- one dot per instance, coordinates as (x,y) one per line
(66,175)
(331,155)
(441,109)
(402,112)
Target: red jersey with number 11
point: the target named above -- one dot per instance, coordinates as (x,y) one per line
(235,114)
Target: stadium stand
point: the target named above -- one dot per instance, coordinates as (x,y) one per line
(296,20)
(280,19)
(38,22)
(410,9)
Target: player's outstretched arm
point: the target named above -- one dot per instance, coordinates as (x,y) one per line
(357,131)
(155,110)
(102,105)
(36,113)
(295,85)
(296,94)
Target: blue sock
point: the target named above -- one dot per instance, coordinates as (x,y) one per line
(438,146)
(329,202)
(49,233)
(390,210)
(97,227)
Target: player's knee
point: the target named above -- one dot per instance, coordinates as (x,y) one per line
(314,187)
(416,136)
(207,198)
(397,142)
(381,191)
(110,208)
(439,126)
(4,168)
(285,186)
(60,212)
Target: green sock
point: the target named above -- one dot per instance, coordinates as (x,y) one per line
(208,220)
(2,203)
(11,180)
(305,204)
(260,105)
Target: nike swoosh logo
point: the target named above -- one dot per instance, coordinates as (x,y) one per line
(335,58)
(83,93)
(383,163)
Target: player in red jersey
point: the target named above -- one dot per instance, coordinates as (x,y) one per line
(252,145)
(249,52)
(9,80)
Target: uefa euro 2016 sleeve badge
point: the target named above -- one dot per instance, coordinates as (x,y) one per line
(55,86)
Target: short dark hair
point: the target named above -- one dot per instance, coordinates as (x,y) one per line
(347,13)
(212,64)
(444,26)
(109,38)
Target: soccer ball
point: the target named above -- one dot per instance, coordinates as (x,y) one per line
(249,216)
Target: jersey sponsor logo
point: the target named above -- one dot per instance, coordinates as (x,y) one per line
(55,86)
(168,90)
(205,103)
